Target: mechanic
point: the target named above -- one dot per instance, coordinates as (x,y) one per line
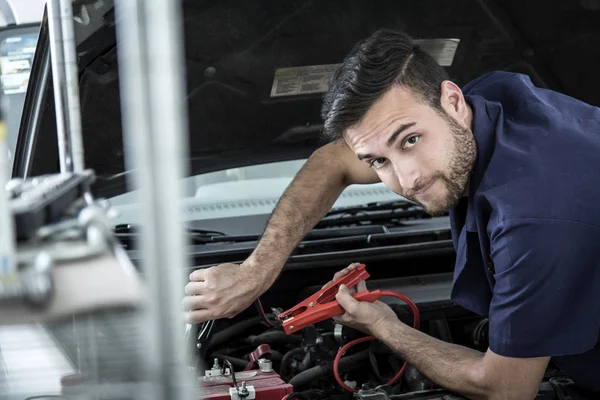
(515,165)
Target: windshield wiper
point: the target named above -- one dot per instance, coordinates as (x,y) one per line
(343,222)
(393,212)
(126,232)
(375,206)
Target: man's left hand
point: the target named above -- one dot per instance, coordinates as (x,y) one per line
(362,315)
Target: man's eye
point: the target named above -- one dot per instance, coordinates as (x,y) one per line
(378,162)
(411,141)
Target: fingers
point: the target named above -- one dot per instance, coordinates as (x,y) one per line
(198,275)
(345,271)
(361,286)
(195,288)
(346,300)
(219,292)
(198,302)
(198,316)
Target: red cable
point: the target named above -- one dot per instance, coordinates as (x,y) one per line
(336,361)
(264,314)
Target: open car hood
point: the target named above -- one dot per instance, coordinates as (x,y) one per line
(256,71)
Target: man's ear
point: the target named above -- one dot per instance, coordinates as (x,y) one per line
(453,101)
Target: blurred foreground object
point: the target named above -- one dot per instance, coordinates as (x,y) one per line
(68,266)
(67,271)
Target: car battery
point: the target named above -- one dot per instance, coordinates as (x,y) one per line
(261,384)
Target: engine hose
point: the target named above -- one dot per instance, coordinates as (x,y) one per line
(296,395)
(287,358)
(229,333)
(275,356)
(353,361)
(373,362)
(338,358)
(273,337)
(309,375)
(306,360)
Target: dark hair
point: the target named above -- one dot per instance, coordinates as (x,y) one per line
(369,70)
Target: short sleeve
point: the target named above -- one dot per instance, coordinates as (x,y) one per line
(546,298)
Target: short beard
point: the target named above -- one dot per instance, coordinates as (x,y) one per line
(458,170)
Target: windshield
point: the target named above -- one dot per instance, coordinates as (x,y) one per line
(17,48)
(249,190)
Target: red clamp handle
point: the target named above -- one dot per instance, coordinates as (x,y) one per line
(322,305)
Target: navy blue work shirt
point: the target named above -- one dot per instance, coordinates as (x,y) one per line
(527,236)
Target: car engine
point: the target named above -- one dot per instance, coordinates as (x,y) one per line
(252,357)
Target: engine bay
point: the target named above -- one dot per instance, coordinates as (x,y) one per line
(253,349)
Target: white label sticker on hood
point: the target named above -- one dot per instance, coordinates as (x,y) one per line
(302,80)
(443,50)
(311,79)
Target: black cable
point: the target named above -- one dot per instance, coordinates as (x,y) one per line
(373,361)
(204,337)
(226,361)
(205,330)
(238,362)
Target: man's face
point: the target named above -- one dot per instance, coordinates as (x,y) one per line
(418,153)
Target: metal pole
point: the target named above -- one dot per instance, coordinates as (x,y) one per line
(57,57)
(66,86)
(71,86)
(150,50)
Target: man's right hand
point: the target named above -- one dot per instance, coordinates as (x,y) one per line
(228,289)
(221,292)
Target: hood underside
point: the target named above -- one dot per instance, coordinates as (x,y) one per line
(246,106)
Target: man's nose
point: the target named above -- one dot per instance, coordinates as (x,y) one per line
(407,175)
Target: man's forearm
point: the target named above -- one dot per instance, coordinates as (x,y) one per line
(311,194)
(451,366)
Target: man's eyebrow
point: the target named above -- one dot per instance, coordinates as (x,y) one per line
(398,131)
(391,139)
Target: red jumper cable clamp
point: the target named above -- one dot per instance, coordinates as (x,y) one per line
(322,305)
